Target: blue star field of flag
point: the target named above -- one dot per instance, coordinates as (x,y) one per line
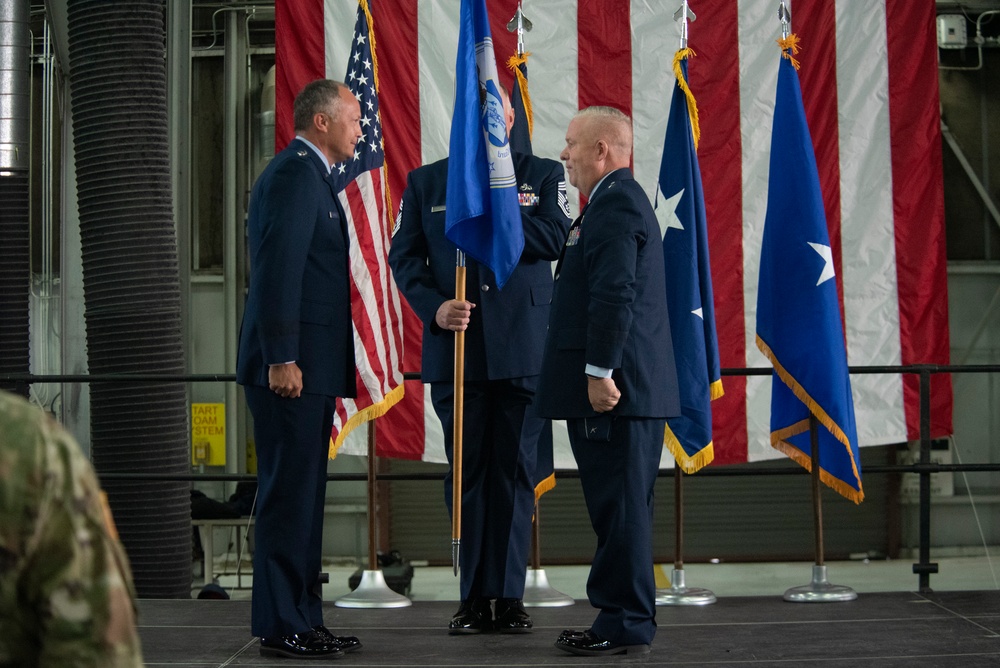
(368,153)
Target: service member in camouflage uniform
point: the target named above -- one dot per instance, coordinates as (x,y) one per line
(66,593)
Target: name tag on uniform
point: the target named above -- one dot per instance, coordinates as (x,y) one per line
(437,209)
(574,236)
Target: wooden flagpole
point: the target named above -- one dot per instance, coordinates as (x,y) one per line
(458,421)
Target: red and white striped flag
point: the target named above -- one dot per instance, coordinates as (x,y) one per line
(376,308)
(873,116)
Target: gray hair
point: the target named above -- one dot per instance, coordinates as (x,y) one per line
(612,125)
(319,96)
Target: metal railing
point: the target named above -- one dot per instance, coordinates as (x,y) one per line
(924,467)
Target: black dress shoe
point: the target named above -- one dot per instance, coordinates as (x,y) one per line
(473,616)
(590,644)
(511,616)
(345,643)
(308,645)
(571,633)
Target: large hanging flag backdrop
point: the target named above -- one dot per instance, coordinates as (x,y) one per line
(873,115)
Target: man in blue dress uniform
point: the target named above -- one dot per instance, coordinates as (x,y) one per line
(609,370)
(296,355)
(504,334)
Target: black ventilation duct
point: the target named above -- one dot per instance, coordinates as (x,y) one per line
(131,280)
(15,279)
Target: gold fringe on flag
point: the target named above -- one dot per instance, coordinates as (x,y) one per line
(364,415)
(715,390)
(779,442)
(683,54)
(514,63)
(790,46)
(543,486)
(688,463)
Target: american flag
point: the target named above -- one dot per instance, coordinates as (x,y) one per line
(375,303)
(874,118)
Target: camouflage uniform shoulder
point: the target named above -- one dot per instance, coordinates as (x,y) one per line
(60,561)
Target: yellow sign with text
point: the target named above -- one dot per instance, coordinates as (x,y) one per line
(208,434)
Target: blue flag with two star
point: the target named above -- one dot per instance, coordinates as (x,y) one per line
(681,213)
(798,311)
(520,102)
(482,214)
(520,141)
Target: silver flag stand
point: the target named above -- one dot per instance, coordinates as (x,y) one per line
(679,593)
(372,591)
(538,593)
(819,590)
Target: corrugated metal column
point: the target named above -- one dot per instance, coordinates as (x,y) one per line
(131,284)
(15,280)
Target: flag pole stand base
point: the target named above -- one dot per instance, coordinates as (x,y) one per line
(538,593)
(820,590)
(373,592)
(680,594)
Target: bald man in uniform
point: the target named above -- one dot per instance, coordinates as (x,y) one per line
(608,369)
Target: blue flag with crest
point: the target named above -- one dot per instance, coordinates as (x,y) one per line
(798,310)
(482,214)
(681,212)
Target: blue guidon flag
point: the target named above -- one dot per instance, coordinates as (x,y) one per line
(798,310)
(681,214)
(482,216)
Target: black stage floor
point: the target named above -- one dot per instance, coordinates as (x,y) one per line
(893,629)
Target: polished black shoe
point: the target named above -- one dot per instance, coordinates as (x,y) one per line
(473,616)
(308,645)
(511,617)
(346,643)
(590,644)
(569,633)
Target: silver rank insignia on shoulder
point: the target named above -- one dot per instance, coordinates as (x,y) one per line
(301,153)
(562,199)
(399,219)
(574,236)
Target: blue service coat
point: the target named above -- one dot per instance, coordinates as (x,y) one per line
(507,328)
(609,309)
(298,308)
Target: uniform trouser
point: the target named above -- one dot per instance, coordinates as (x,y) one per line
(499,447)
(617,477)
(292,438)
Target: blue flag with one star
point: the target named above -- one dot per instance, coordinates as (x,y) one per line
(482,214)
(798,311)
(681,213)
